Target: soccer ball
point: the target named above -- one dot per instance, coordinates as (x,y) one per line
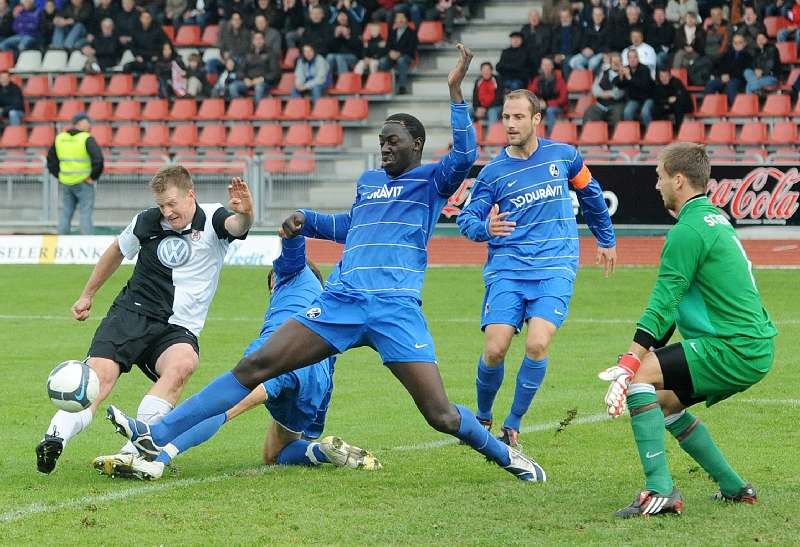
(73,386)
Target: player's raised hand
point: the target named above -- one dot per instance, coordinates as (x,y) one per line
(292,225)
(239,198)
(608,257)
(81,308)
(456,76)
(620,376)
(498,226)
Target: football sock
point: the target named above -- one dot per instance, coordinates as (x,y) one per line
(488,381)
(216,398)
(198,434)
(694,437)
(150,411)
(647,422)
(68,424)
(529,378)
(302,452)
(478,437)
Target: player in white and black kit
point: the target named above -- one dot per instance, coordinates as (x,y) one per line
(154,322)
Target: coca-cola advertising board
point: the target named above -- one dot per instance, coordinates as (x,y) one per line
(747,194)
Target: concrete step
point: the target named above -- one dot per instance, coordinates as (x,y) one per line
(511,12)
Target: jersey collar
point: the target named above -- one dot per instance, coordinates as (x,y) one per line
(691,200)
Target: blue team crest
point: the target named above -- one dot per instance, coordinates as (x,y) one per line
(313,313)
(553,170)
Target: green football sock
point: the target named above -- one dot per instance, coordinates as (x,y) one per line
(647,422)
(694,438)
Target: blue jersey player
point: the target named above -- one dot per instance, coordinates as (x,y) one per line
(373,296)
(521,205)
(297,401)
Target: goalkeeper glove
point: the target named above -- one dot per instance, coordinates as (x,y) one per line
(620,376)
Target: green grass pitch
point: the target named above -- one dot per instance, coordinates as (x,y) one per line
(431,491)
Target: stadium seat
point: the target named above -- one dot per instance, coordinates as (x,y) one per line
(103,134)
(188,35)
(430,32)
(285,86)
(753,134)
(354,109)
(210,35)
(329,135)
(692,131)
(496,135)
(69,108)
(156,135)
(296,108)
(211,53)
(301,163)
(580,81)
(773,24)
(564,131)
(54,61)
(626,133)
(129,110)
(29,60)
(783,133)
(777,106)
(42,136)
(384,32)
(100,110)
(796,111)
(744,106)
(240,136)
(44,110)
(184,135)
(299,135)
(713,106)
(478,127)
(155,110)
(183,110)
(594,134)
(169,30)
(147,85)
(274,165)
(787,51)
(212,135)
(348,83)
(721,133)
(64,85)
(77,62)
(240,108)
(290,58)
(6,60)
(584,102)
(326,108)
(658,133)
(269,136)
(268,109)
(378,83)
(793,76)
(120,85)
(211,109)
(36,86)
(14,136)
(127,135)
(682,74)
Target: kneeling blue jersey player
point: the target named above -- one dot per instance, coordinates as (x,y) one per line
(373,297)
(521,205)
(297,400)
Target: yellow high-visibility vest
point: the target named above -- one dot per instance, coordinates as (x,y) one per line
(74,161)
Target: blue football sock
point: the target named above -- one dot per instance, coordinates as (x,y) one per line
(529,378)
(474,434)
(488,382)
(301,452)
(196,435)
(216,398)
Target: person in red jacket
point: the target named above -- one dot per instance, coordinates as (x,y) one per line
(550,87)
(487,96)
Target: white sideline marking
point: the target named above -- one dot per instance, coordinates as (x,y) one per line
(776,402)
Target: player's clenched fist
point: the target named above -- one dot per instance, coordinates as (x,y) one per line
(81,308)
(620,376)
(292,225)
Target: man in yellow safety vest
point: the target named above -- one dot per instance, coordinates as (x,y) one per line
(77,161)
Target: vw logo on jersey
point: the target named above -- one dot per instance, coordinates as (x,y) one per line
(313,313)
(553,170)
(174,251)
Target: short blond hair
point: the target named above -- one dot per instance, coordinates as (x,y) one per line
(533,100)
(171,175)
(690,160)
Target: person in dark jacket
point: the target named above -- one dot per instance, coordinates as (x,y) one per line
(729,69)
(12,104)
(105,9)
(670,98)
(487,96)
(345,44)
(259,71)
(317,31)
(165,66)
(514,66)
(6,20)
(401,50)
(638,84)
(550,87)
(594,42)
(610,97)
(126,21)
(104,51)
(76,160)
(566,41)
(146,45)
(27,34)
(72,23)
(766,66)
(660,34)
(536,35)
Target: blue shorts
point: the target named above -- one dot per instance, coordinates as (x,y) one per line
(392,326)
(513,302)
(299,400)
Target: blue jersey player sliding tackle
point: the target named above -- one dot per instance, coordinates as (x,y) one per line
(521,206)
(298,400)
(373,297)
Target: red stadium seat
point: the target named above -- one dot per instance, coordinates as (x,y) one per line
(787,51)
(240,136)
(129,110)
(658,133)
(296,108)
(14,136)
(183,110)
(268,109)
(290,58)
(299,135)
(564,131)
(92,85)
(285,86)
(44,110)
(348,83)
(580,81)
(714,106)
(65,85)
(773,25)
(240,108)
(102,133)
(496,136)
(269,136)
(156,135)
(721,133)
(188,35)
(692,131)
(301,162)
(626,133)
(783,133)
(211,109)
(155,110)
(777,106)
(430,32)
(326,108)
(42,136)
(384,32)
(36,86)
(6,60)
(147,85)
(584,102)
(120,85)
(100,110)
(329,135)
(478,127)
(594,134)
(169,30)
(212,135)
(744,106)
(378,83)
(210,36)
(753,133)
(184,135)
(274,165)
(354,109)
(69,108)
(682,74)
(793,76)
(127,136)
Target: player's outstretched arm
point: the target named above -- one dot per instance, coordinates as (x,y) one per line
(240,201)
(104,269)
(456,76)
(257,397)
(292,258)
(309,223)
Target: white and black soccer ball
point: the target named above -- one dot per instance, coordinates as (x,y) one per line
(73,386)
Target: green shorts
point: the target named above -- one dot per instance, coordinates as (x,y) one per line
(723,367)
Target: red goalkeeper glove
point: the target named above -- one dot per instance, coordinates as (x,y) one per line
(620,376)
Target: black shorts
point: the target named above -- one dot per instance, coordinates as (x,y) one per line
(129,338)
(677,378)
